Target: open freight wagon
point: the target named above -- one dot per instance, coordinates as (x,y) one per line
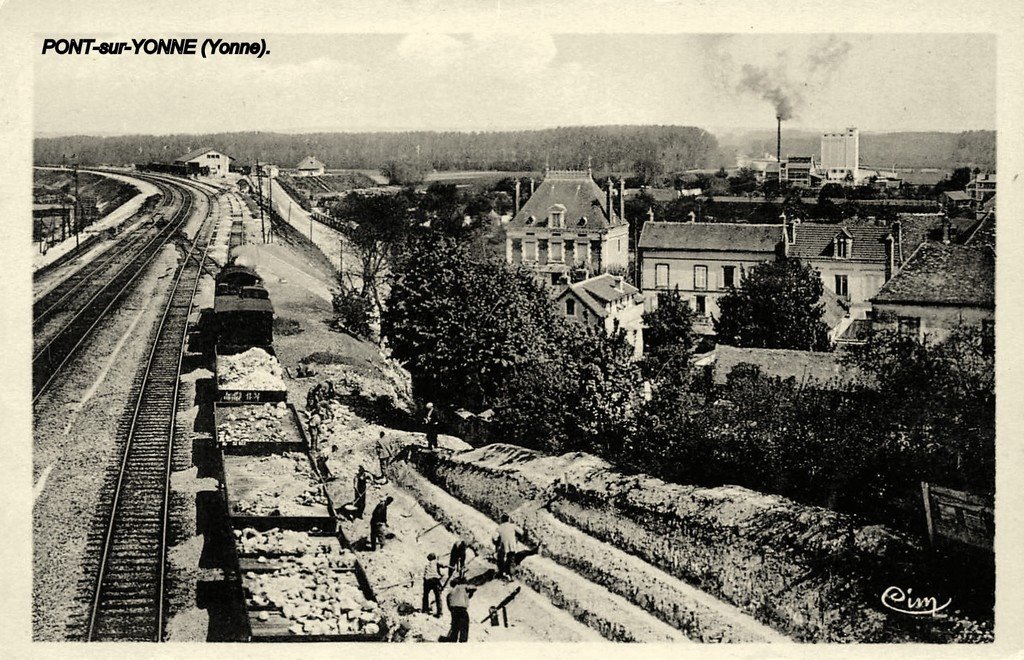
(249,374)
(300,578)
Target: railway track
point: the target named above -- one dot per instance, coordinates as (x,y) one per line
(94,274)
(127,603)
(49,360)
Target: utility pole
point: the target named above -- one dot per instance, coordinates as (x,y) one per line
(259,187)
(78,208)
(270,190)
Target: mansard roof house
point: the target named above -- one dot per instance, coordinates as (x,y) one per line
(568,223)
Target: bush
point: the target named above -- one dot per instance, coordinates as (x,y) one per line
(353,313)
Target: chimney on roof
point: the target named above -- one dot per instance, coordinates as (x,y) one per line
(619,284)
(890,256)
(609,196)
(517,195)
(531,186)
(622,199)
(693,216)
(650,213)
(897,232)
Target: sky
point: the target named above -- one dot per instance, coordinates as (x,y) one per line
(361,82)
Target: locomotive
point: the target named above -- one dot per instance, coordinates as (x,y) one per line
(242,311)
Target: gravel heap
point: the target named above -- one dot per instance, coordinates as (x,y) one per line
(278,542)
(255,369)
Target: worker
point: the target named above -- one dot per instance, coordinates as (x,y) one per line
(432,583)
(430,422)
(314,429)
(359,485)
(378,522)
(505,546)
(458,605)
(457,560)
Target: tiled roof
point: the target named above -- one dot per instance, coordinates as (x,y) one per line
(819,369)
(957,195)
(195,153)
(835,309)
(815,240)
(724,237)
(920,227)
(577,192)
(938,274)
(984,232)
(309,163)
(598,291)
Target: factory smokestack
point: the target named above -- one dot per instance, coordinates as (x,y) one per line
(778,146)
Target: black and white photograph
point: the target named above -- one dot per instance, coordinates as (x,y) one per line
(507,327)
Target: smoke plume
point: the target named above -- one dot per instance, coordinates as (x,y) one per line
(784,86)
(772,87)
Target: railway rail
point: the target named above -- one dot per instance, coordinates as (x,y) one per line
(86,281)
(127,600)
(49,360)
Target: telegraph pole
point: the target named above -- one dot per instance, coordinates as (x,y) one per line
(259,187)
(78,208)
(270,189)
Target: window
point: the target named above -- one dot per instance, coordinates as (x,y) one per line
(842,248)
(729,276)
(910,326)
(701,305)
(700,277)
(842,286)
(557,218)
(661,276)
(556,250)
(570,307)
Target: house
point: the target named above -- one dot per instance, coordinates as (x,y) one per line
(608,302)
(980,187)
(703,261)
(954,200)
(855,257)
(310,166)
(568,224)
(216,163)
(942,286)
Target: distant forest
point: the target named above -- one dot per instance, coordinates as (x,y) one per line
(606,148)
(650,149)
(925,149)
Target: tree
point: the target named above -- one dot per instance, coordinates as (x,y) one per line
(778,306)
(668,339)
(404,171)
(648,169)
(464,326)
(938,399)
(376,227)
(581,395)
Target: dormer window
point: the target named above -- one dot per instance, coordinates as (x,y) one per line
(842,246)
(556,216)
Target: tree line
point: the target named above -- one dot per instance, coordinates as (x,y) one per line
(606,148)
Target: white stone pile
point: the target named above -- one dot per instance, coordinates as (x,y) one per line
(255,369)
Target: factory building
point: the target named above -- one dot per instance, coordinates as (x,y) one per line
(840,155)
